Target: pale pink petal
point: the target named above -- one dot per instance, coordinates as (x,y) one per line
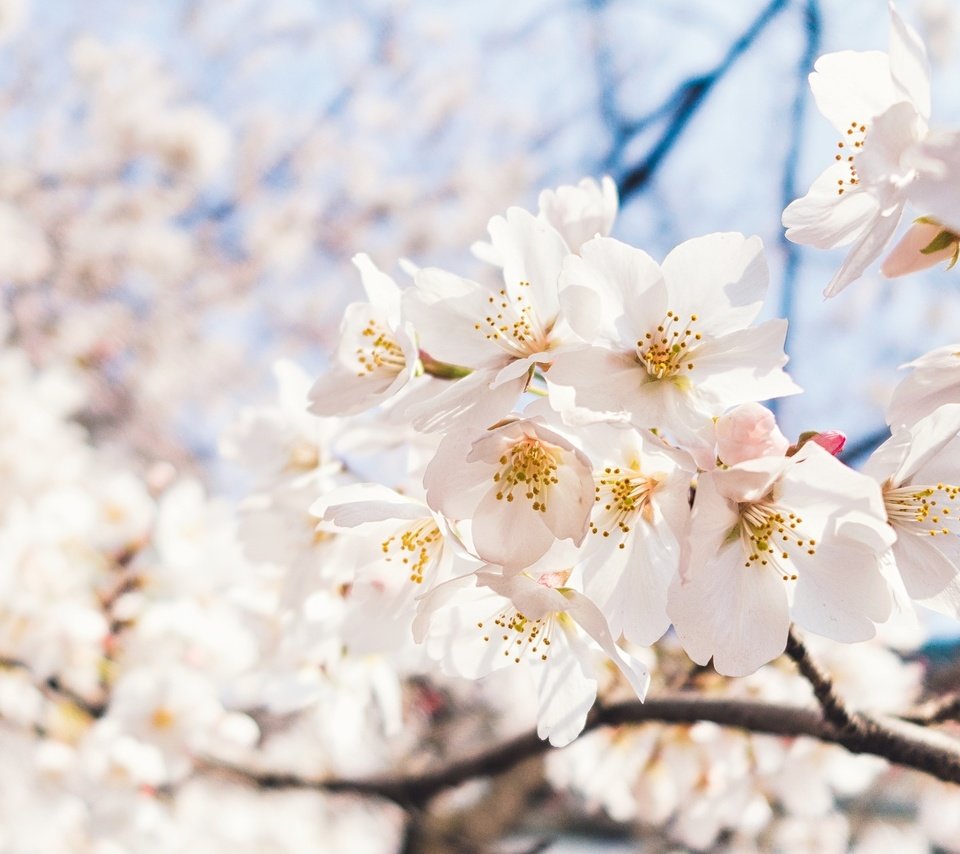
(853,86)
(734,613)
(628,284)
(361,503)
(513,538)
(565,693)
(579,213)
(882,164)
(749,431)
(714,519)
(467,402)
(381,290)
(744,365)
(908,256)
(840,592)
(452,487)
(826,218)
(601,380)
(445,310)
(909,66)
(531,251)
(721,279)
(928,437)
(630,585)
(865,251)
(934,191)
(931,577)
(589,617)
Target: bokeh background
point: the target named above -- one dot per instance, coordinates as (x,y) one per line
(184,182)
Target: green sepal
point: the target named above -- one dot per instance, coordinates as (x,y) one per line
(943,240)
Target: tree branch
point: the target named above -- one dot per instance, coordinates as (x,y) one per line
(898,741)
(936,711)
(686,100)
(834,709)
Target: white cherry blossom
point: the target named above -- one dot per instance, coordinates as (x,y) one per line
(774,540)
(377,353)
(578,212)
(933,382)
(879,103)
(672,345)
(919,473)
(482,622)
(640,514)
(398,549)
(522,486)
(501,333)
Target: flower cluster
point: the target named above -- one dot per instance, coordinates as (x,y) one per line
(570,401)
(888,155)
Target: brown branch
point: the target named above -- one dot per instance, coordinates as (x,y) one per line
(55,690)
(936,711)
(898,741)
(834,709)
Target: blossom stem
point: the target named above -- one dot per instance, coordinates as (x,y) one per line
(442,370)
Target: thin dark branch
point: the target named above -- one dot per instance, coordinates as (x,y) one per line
(834,709)
(936,711)
(896,740)
(688,98)
(54,689)
(788,190)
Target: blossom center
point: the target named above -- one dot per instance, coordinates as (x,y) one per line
(620,498)
(513,323)
(378,350)
(417,548)
(930,510)
(665,352)
(528,469)
(519,635)
(850,147)
(770,535)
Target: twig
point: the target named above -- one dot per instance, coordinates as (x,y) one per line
(898,741)
(788,188)
(936,711)
(688,98)
(55,690)
(834,709)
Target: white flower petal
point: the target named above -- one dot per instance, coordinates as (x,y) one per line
(909,66)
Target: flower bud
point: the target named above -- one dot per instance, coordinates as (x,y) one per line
(908,256)
(749,431)
(830,440)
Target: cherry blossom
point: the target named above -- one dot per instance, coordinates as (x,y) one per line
(880,105)
(775,540)
(640,516)
(482,622)
(377,353)
(919,473)
(747,432)
(671,346)
(577,212)
(500,333)
(521,485)
(933,382)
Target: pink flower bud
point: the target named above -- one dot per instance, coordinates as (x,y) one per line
(747,432)
(906,256)
(830,440)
